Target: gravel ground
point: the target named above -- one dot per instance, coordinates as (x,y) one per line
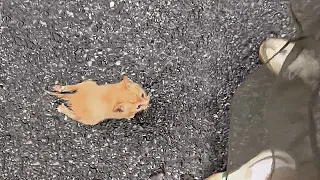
(190,55)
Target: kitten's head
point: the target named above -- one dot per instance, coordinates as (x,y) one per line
(132,98)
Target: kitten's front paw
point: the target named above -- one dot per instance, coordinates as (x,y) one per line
(131,117)
(58,88)
(61,108)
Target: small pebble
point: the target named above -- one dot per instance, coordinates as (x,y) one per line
(56,164)
(111,4)
(89,63)
(70,14)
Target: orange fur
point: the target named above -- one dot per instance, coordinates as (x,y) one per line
(92,103)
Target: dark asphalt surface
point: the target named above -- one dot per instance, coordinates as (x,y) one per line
(190,55)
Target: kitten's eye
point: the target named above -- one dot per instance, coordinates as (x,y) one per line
(142,95)
(139,106)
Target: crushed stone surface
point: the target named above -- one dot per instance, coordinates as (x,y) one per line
(189,55)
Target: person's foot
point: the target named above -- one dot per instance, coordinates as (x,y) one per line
(269,48)
(259,168)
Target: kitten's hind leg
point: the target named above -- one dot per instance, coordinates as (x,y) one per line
(61,96)
(66,88)
(65,110)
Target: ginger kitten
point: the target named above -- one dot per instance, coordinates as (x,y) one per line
(92,103)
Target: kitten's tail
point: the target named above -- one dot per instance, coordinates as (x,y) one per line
(59,95)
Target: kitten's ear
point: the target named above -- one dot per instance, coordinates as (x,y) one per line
(126,81)
(119,108)
(125,78)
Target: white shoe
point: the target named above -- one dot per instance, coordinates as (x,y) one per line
(269,48)
(258,168)
(306,66)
